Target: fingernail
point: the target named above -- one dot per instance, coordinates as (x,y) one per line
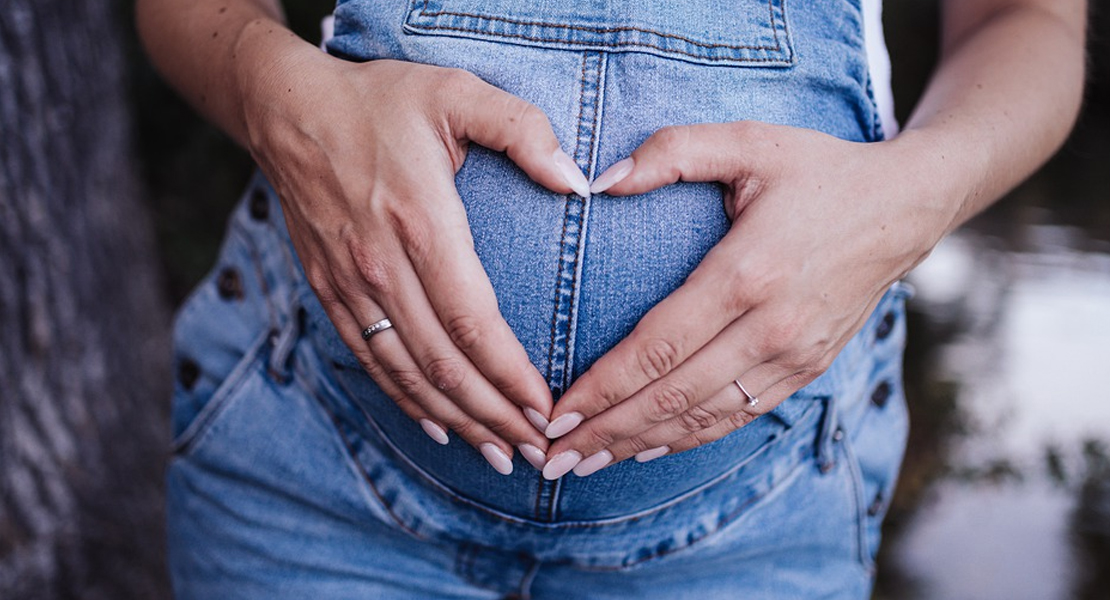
(496,458)
(434,431)
(652,454)
(561,464)
(563,425)
(533,455)
(612,176)
(594,463)
(538,420)
(572,174)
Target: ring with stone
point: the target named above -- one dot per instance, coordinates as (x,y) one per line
(752,400)
(376,328)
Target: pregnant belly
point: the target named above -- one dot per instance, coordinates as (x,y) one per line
(573,276)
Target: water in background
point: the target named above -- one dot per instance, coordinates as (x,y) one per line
(1014,499)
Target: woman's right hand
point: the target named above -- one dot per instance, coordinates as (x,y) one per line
(363,156)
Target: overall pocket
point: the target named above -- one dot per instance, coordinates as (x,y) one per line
(739,32)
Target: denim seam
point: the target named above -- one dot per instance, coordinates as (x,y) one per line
(863,554)
(562,238)
(722,523)
(773,25)
(547,492)
(689,495)
(340,428)
(193,434)
(525,589)
(571,248)
(590,159)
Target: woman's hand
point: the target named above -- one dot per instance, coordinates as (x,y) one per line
(821,228)
(363,157)
(819,233)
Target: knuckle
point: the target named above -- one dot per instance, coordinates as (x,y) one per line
(671,139)
(370,267)
(598,438)
(320,283)
(410,382)
(455,82)
(751,278)
(668,400)
(502,425)
(414,231)
(701,438)
(739,419)
(409,407)
(696,419)
(371,366)
(637,444)
(657,357)
(779,338)
(465,331)
(446,374)
(464,427)
(529,117)
(802,378)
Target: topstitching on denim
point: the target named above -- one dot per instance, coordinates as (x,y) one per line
(609,37)
(571,248)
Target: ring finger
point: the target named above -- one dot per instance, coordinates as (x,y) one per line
(730,403)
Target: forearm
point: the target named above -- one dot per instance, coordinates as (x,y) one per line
(1003,99)
(213,51)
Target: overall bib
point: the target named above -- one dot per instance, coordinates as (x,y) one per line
(294,476)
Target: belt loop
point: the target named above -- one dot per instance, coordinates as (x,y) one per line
(830,433)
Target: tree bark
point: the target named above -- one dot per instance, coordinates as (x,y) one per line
(83,325)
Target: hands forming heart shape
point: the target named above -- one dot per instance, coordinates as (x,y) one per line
(369,197)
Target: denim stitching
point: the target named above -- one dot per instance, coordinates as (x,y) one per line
(590,159)
(605,45)
(454,498)
(563,236)
(424,13)
(571,245)
(722,523)
(343,431)
(860,501)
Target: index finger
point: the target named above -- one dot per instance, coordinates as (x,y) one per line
(664,338)
(462,297)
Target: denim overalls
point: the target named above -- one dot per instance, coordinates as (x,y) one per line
(294,476)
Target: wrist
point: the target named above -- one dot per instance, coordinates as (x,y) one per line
(268,63)
(940,182)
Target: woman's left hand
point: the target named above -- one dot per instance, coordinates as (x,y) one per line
(821,228)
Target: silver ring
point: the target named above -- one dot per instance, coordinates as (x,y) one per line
(752,400)
(375,328)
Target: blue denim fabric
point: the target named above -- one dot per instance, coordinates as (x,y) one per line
(295,476)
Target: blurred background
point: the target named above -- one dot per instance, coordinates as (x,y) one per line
(1006,488)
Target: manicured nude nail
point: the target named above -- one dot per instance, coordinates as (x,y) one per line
(538,420)
(496,458)
(533,455)
(593,464)
(612,176)
(561,464)
(434,431)
(563,425)
(572,174)
(652,454)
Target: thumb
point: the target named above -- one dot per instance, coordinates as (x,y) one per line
(721,152)
(501,121)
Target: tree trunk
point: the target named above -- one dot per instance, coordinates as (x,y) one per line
(83,337)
